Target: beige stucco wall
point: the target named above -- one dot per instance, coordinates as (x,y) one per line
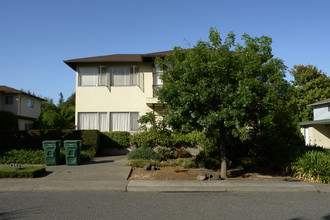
(22,122)
(318,135)
(19,108)
(29,112)
(117,98)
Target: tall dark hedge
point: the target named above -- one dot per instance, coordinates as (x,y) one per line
(33,139)
(8,121)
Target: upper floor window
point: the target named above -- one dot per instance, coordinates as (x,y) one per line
(110,76)
(88,76)
(124,76)
(29,103)
(158,71)
(9,100)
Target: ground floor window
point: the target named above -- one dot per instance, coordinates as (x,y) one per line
(108,121)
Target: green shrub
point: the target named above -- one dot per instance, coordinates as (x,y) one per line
(143,153)
(115,139)
(23,172)
(207,160)
(193,138)
(313,166)
(139,163)
(23,157)
(182,153)
(165,153)
(152,138)
(185,163)
(141,140)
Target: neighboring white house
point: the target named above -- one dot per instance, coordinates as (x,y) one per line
(317,132)
(24,105)
(113,91)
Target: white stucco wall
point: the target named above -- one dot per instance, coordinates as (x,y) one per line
(117,98)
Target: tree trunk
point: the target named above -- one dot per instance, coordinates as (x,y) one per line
(223,157)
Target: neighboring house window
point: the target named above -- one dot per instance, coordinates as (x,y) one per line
(28,126)
(104,121)
(29,103)
(9,100)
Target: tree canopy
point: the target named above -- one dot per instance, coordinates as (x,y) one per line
(311,85)
(59,116)
(228,90)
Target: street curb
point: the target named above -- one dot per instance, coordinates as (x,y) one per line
(218,186)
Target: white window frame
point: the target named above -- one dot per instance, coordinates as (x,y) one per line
(107,126)
(105,77)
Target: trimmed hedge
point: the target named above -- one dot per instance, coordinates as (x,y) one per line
(115,139)
(23,172)
(32,139)
(8,120)
(166,139)
(23,157)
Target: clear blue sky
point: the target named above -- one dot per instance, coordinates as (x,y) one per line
(37,35)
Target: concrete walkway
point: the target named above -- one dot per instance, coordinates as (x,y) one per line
(100,174)
(110,174)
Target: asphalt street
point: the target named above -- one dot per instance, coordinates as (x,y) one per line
(116,205)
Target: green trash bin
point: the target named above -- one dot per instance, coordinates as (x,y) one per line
(52,151)
(72,152)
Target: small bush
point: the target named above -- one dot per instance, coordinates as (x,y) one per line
(142,139)
(313,166)
(207,160)
(165,153)
(186,163)
(23,172)
(139,163)
(143,153)
(182,153)
(23,157)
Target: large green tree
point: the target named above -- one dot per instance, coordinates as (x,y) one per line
(311,85)
(230,91)
(59,116)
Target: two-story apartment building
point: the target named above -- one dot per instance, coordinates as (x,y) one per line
(317,132)
(24,105)
(113,91)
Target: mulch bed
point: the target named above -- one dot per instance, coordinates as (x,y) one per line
(179,173)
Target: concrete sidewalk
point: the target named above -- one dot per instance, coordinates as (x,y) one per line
(99,174)
(110,174)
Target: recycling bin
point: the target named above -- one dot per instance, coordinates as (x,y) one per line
(72,152)
(52,151)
